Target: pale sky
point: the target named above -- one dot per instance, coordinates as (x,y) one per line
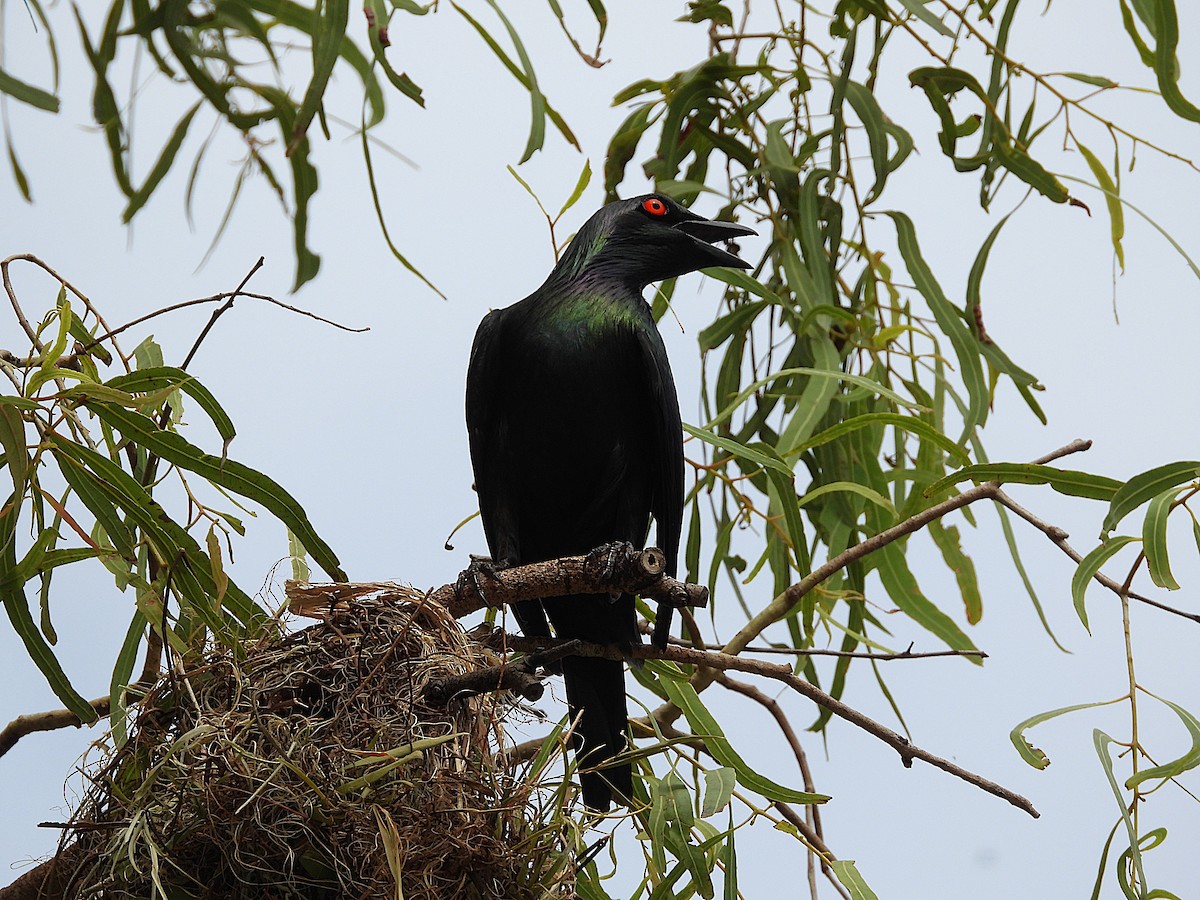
(366,430)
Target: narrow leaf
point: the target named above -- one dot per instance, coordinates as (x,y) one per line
(902,587)
(683,695)
(851,880)
(1145,486)
(1032,754)
(231,475)
(1112,199)
(1188,761)
(1089,567)
(1154,539)
(27,93)
(1065,481)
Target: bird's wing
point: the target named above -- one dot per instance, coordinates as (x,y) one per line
(487,430)
(667,443)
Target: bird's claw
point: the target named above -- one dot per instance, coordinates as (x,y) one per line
(471,578)
(604,558)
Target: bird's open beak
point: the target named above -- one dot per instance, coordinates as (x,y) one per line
(707,232)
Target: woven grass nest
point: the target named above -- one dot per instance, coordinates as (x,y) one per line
(312,768)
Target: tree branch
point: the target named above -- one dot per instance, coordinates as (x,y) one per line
(811,830)
(1058,537)
(50,720)
(782,605)
(884,656)
(726,662)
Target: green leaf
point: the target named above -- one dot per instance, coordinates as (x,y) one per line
(834,375)
(27,93)
(19,175)
(1032,754)
(1030,171)
(622,146)
(1094,80)
(1154,539)
(907,423)
(1112,199)
(43,657)
(1089,567)
(994,354)
(736,322)
(399,80)
(156,378)
(902,587)
(718,789)
(683,695)
(866,107)
(848,874)
(1102,742)
(851,487)
(585,178)
(1145,486)
(740,279)
(676,800)
(739,450)
(1166,66)
(328,27)
(12,595)
(949,320)
(1065,481)
(947,540)
(190,568)
(537,129)
(90,493)
(122,672)
(729,863)
(231,475)
(162,165)
(919,9)
(16,454)
(776,150)
(1188,761)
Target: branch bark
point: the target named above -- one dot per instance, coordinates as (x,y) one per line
(45,721)
(616,568)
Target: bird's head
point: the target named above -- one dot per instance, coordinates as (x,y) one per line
(646,239)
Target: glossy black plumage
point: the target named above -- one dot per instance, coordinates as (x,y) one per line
(576,440)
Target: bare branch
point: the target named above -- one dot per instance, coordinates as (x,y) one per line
(725,662)
(45,721)
(514,677)
(1058,537)
(771,705)
(885,656)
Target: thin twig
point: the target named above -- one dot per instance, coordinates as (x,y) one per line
(218,298)
(718,662)
(771,705)
(220,311)
(814,840)
(1058,537)
(885,656)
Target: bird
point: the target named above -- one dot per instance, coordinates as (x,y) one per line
(576,442)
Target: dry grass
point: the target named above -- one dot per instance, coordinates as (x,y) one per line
(311,767)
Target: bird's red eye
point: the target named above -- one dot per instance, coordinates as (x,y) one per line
(655,207)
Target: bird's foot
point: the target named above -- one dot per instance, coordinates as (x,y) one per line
(604,558)
(473,576)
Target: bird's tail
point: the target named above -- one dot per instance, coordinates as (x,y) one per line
(596,697)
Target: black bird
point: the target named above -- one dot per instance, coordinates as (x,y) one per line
(576,440)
